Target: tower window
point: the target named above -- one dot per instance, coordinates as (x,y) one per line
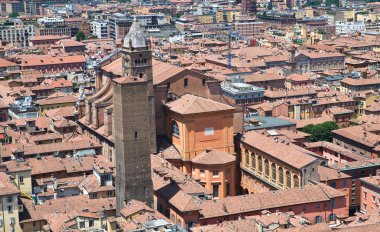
(175,129)
(185,83)
(203,81)
(135,134)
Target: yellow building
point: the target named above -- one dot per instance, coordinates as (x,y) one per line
(268,164)
(205,18)
(231,15)
(54,101)
(9,213)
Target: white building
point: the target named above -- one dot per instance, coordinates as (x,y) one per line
(346,28)
(17,33)
(99,28)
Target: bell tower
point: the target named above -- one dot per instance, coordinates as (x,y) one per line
(134,118)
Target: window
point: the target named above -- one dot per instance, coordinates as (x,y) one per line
(81,225)
(281,177)
(209,131)
(318,219)
(203,81)
(21,179)
(215,173)
(10,199)
(274,173)
(288,180)
(333,184)
(253,160)
(110,193)
(94,195)
(215,190)
(202,173)
(332,217)
(185,83)
(10,208)
(175,129)
(365,195)
(332,203)
(91,223)
(135,134)
(373,199)
(345,184)
(228,189)
(246,158)
(296,181)
(260,165)
(266,163)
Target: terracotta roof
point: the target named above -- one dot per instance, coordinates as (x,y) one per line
(6,63)
(213,157)
(38,61)
(57,99)
(7,187)
(326,173)
(34,212)
(361,81)
(336,148)
(65,112)
(163,71)
(270,200)
(48,37)
(278,150)
(191,104)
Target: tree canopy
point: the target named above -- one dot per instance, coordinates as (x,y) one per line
(320,132)
(14,15)
(80,36)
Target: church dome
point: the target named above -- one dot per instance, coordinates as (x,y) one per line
(135,36)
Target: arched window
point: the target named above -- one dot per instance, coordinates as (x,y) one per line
(260,165)
(288,179)
(274,173)
(253,160)
(175,129)
(266,162)
(296,181)
(246,158)
(281,177)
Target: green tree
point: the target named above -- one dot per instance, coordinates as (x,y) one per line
(320,132)
(270,5)
(14,15)
(332,2)
(80,36)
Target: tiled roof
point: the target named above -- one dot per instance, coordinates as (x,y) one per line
(57,99)
(326,173)
(191,104)
(7,187)
(278,150)
(69,204)
(6,63)
(213,157)
(270,200)
(361,81)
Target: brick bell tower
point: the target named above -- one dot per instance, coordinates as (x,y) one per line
(134,118)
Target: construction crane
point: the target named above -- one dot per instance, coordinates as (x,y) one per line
(229,65)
